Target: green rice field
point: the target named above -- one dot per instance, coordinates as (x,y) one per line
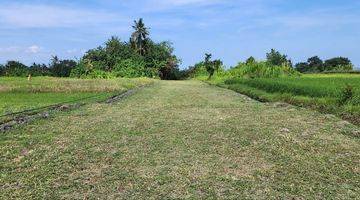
(18,94)
(324,92)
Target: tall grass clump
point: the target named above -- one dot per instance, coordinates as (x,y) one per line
(346,95)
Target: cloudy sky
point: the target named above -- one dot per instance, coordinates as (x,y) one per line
(33,30)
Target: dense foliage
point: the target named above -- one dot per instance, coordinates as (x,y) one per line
(14,68)
(211,66)
(275,58)
(39,70)
(138,58)
(276,65)
(61,68)
(262,69)
(57,68)
(316,65)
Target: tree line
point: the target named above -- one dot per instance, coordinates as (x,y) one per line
(140,56)
(57,68)
(315,65)
(276,64)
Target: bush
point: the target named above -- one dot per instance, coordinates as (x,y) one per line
(197,70)
(261,70)
(170,71)
(99,74)
(130,68)
(346,94)
(303,67)
(277,59)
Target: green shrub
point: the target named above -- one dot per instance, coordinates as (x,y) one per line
(99,74)
(261,70)
(346,94)
(129,68)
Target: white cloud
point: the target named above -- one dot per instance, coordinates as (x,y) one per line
(44,16)
(33,49)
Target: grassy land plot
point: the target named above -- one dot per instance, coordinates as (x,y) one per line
(182,139)
(17,94)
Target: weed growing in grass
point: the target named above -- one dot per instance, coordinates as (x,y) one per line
(346,94)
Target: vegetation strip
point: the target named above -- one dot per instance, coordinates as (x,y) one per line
(46,107)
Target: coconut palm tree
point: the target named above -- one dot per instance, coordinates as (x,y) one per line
(139,37)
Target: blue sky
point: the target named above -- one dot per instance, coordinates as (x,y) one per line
(232,30)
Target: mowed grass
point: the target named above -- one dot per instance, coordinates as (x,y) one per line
(18,94)
(320,91)
(178,140)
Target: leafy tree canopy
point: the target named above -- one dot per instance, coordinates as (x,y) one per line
(15,68)
(250,60)
(139,57)
(315,64)
(338,63)
(211,66)
(302,67)
(39,70)
(61,68)
(276,58)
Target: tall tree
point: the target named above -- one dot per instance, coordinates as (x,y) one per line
(139,37)
(208,65)
(61,68)
(338,63)
(15,68)
(276,58)
(315,64)
(39,70)
(250,60)
(302,67)
(211,66)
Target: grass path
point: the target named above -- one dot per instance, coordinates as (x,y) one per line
(182,140)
